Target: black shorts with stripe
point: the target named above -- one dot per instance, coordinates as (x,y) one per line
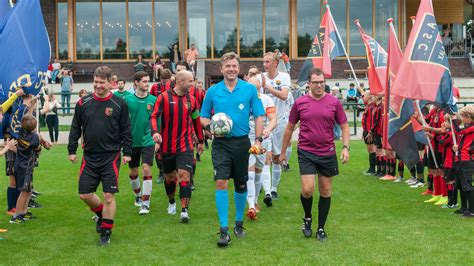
(145,153)
(96,168)
(230,157)
(173,162)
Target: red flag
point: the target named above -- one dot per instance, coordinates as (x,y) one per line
(424,71)
(377,60)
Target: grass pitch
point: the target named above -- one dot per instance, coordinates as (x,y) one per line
(370,222)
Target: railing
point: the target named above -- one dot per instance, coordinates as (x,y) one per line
(459,48)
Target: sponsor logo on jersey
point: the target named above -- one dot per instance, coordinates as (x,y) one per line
(109,111)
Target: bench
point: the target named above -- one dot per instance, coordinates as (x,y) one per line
(83,75)
(356,71)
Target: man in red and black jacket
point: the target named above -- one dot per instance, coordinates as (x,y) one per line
(464,161)
(165,83)
(366,127)
(103,120)
(179,113)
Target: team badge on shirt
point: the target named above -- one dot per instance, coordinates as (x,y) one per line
(149,107)
(278,82)
(109,111)
(241,106)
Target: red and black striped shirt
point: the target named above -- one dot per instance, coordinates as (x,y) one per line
(159,88)
(465,139)
(179,120)
(198,94)
(377,119)
(367,117)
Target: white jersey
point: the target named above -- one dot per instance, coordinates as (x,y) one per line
(280,81)
(269,107)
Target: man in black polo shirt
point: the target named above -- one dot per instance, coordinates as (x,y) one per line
(103,120)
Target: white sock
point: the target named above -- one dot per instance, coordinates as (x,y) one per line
(147,188)
(258,185)
(251,189)
(288,153)
(266,179)
(276,174)
(136,186)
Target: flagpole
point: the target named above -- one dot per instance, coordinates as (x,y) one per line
(452,133)
(344,49)
(429,141)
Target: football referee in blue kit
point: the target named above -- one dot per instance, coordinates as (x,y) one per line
(230,156)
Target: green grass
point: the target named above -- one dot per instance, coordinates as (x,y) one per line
(61,128)
(370,222)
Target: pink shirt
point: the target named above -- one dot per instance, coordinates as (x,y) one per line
(317,119)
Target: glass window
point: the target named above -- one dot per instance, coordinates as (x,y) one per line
(251,28)
(199,26)
(140,28)
(62,31)
(114,40)
(276,25)
(87,29)
(166,26)
(309,19)
(362,10)
(225,27)
(385,9)
(338,11)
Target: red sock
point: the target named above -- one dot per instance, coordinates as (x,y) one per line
(444,188)
(436,185)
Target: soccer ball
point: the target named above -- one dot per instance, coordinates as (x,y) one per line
(221,124)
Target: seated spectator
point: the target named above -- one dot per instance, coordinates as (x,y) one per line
(56,70)
(360,90)
(351,94)
(140,64)
(157,67)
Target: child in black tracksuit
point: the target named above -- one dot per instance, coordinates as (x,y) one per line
(28,144)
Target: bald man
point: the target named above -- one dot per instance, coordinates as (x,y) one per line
(177,145)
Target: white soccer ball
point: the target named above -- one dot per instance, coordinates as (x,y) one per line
(221,124)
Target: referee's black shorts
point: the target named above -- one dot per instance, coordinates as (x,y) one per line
(312,164)
(230,157)
(96,168)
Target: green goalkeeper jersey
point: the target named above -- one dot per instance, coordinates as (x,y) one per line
(140,110)
(122,94)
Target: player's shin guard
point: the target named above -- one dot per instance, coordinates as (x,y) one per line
(276,175)
(266,179)
(147,189)
(170,188)
(323,210)
(185,195)
(251,190)
(222,205)
(135,183)
(240,195)
(258,185)
(107,224)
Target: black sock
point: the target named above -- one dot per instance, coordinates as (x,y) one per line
(430,182)
(185,195)
(16,195)
(379,163)
(323,211)
(420,168)
(455,195)
(401,168)
(170,188)
(307,205)
(470,199)
(413,171)
(11,198)
(451,194)
(463,200)
(107,224)
(372,161)
(383,165)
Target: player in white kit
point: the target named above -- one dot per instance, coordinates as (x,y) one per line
(257,161)
(277,85)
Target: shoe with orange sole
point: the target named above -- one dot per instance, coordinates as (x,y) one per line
(427,192)
(252,214)
(11,212)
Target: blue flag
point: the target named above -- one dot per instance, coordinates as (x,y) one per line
(25,47)
(4,8)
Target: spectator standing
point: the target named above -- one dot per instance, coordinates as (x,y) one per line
(66,89)
(52,120)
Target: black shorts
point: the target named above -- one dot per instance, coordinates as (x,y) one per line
(439,160)
(364,134)
(378,141)
(174,161)
(449,174)
(146,153)
(23,179)
(10,163)
(99,167)
(312,164)
(230,157)
(465,170)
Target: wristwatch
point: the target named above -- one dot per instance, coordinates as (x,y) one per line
(260,139)
(347,147)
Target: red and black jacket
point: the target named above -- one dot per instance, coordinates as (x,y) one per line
(446,142)
(377,119)
(465,139)
(367,117)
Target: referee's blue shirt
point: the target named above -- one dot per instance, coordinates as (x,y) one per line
(238,104)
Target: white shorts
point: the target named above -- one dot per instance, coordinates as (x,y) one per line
(259,159)
(277,138)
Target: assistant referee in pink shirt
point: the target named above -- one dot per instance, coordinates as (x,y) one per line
(317,113)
